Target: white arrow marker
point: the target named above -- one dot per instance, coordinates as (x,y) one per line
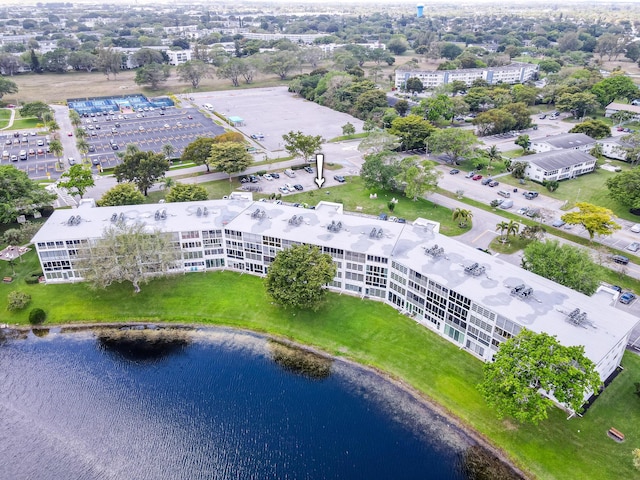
(319,167)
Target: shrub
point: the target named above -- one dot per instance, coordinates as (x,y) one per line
(261,172)
(37,316)
(17,300)
(33,278)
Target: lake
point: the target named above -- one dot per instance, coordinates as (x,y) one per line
(186,403)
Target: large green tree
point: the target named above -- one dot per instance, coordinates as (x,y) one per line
(153,75)
(128,253)
(122,194)
(35,109)
(187,192)
(198,151)
(594,128)
(533,362)
(564,264)
(617,86)
(299,144)
(193,72)
(77,180)
(412,130)
(297,277)
(453,142)
(579,104)
(141,168)
(229,157)
(380,170)
(378,141)
(417,178)
(19,195)
(7,86)
(593,218)
(625,188)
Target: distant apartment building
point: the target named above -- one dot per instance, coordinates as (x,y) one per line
(509,74)
(615,147)
(178,57)
(294,37)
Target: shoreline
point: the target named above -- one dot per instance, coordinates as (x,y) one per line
(400,383)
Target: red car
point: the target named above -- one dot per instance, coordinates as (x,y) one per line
(70,134)
(620,129)
(477,177)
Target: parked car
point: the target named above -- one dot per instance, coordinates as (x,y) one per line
(283,189)
(530,195)
(493,183)
(627,298)
(621,259)
(275,175)
(522,210)
(298,187)
(635,228)
(71,161)
(470,174)
(486,181)
(267,176)
(542,116)
(558,223)
(339,178)
(257,136)
(633,247)
(476,177)
(454,171)
(308,169)
(383,216)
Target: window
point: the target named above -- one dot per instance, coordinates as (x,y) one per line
(377,259)
(192,234)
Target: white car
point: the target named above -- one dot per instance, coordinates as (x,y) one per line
(636,228)
(266,176)
(289,187)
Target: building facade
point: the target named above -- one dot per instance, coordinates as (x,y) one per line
(558,165)
(472,299)
(509,74)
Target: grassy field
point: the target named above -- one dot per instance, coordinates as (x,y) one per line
(373,334)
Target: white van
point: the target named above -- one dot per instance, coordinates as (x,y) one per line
(506,204)
(289,173)
(504,193)
(208,106)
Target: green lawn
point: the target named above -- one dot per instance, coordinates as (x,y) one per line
(373,334)
(24,123)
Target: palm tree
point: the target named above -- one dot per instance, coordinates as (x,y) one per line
(83,147)
(168,150)
(47,117)
(513,228)
(81,133)
(167,183)
(502,227)
(462,216)
(492,154)
(74,116)
(56,148)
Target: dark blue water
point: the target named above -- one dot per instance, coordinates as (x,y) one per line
(208,404)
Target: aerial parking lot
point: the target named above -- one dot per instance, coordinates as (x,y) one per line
(269,113)
(29,151)
(149,130)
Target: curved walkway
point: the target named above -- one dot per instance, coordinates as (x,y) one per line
(11,119)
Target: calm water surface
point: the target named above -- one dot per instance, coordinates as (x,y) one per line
(207,404)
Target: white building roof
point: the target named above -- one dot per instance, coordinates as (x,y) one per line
(547,309)
(566,140)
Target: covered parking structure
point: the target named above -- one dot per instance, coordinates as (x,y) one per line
(123,104)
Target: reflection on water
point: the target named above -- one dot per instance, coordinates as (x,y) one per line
(217,406)
(143,344)
(302,362)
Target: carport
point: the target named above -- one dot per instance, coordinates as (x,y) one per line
(236,121)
